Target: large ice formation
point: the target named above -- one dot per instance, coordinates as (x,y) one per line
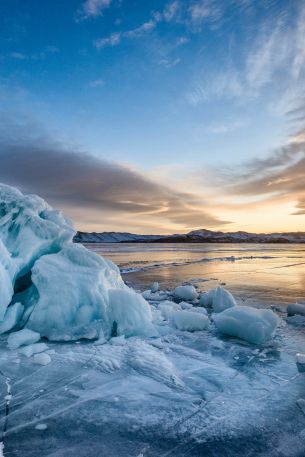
(250,324)
(54,287)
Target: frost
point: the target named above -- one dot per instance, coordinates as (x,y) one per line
(22,338)
(187,293)
(250,324)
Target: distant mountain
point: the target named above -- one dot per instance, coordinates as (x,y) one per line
(195,236)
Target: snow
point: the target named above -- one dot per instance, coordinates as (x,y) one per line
(253,325)
(222,299)
(187,293)
(31,349)
(54,287)
(296,308)
(22,338)
(190,321)
(42,358)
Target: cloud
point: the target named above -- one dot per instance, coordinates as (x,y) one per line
(92,8)
(92,189)
(113,40)
(274,55)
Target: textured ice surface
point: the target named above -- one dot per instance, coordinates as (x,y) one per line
(195,395)
(55,287)
(187,293)
(190,321)
(31,349)
(250,324)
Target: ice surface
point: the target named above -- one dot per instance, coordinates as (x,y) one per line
(167,308)
(190,321)
(222,299)
(301,404)
(42,358)
(250,324)
(300,358)
(187,293)
(53,286)
(22,338)
(296,308)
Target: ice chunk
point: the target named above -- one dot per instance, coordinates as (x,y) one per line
(250,324)
(36,348)
(22,338)
(42,358)
(300,358)
(296,308)
(190,321)
(199,310)
(72,290)
(155,287)
(206,299)
(187,293)
(131,313)
(118,340)
(222,299)
(11,318)
(41,427)
(185,305)
(167,307)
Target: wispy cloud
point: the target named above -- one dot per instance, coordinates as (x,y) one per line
(92,8)
(113,40)
(97,83)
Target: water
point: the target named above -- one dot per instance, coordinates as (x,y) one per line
(266,273)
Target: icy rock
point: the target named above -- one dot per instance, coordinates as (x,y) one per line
(187,293)
(206,298)
(199,310)
(131,313)
(250,324)
(72,290)
(155,287)
(42,358)
(22,338)
(36,348)
(11,318)
(296,308)
(222,299)
(189,321)
(29,228)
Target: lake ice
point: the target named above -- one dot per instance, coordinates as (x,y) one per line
(164,380)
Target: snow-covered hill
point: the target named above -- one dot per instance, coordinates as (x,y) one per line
(195,236)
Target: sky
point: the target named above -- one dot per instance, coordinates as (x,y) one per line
(157,116)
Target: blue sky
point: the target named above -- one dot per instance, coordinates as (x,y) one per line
(188,95)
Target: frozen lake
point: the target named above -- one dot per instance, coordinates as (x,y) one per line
(267,273)
(184,394)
